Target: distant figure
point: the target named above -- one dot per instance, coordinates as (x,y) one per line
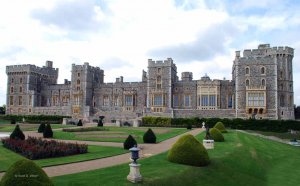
(207,136)
(203,124)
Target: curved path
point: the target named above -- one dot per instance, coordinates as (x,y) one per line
(147,150)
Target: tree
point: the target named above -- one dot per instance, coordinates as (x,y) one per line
(100,121)
(48,133)
(3,109)
(17,133)
(129,142)
(41,128)
(149,136)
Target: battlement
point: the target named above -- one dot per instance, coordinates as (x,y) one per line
(160,63)
(186,76)
(31,68)
(86,66)
(265,50)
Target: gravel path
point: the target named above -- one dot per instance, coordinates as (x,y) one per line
(147,150)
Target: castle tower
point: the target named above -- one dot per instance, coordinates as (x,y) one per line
(263,83)
(161,77)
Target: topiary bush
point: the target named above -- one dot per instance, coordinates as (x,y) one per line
(100,122)
(41,128)
(220,126)
(79,123)
(189,151)
(129,142)
(189,126)
(17,133)
(216,135)
(149,136)
(48,133)
(12,121)
(26,173)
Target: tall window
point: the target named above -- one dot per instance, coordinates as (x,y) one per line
(11,89)
(12,80)
(21,80)
(30,100)
(21,90)
(78,74)
(158,82)
(212,100)
(263,82)
(187,99)
(116,101)
(20,100)
(159,70)
(105,101)
(229,101)
(128,100)
(158,100)
(282,101)
(247,71)
(262,70)
(204,100)
(247,82)
(11,100)
(256,99)
(78,81)
(176,101)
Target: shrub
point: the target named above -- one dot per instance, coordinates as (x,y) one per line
(37,148)
(129,142)
(48,133)
(189,151)
(41,128)
(17,134)
(12,121)
(149,136)
(216,135)
(100,122)
(220,126)
(25,172)
(79,123)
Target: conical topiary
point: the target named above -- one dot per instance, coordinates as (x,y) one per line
(220,126)
(26,173)
(189,151)
(17,133)
(216,135)
(79,123)
(41,128)
(149,136)
(100,121)
(48,133)
(129,142)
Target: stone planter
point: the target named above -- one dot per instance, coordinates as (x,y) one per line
(208,144)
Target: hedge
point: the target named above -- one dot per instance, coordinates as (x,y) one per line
(35,118)
(238,123)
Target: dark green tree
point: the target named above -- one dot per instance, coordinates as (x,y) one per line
(17,133)
(79,123)
(100,121)
(149,136)
(129,142)
(41,128)
(48,133)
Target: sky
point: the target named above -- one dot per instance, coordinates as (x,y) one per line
(119,36)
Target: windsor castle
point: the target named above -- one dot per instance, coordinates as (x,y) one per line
(261,88)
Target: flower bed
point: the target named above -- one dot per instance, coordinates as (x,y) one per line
(37,148)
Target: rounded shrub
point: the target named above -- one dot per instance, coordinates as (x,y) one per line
(220,126)
(149,136)
(26,173)
(48,133)
(79,123)
(41,128)
(189,151)
(17,133)
(216,135)
(129,142)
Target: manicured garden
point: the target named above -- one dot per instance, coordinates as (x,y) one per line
(8,157)
(29,127)
(242,159)
(282,135)
(119,134)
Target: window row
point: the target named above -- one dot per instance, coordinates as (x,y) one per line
(12,80)
(262,70)
(256,99)
(12,90)
(263,82)
(186,101)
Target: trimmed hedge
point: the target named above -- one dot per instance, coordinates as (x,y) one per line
(129,142)
(35,118)
(216,135)
(48,133)
(189,151)
(17,134)
(37,148)
(149,136)
(25,172)
(41,128)
(220,126)
(237,123)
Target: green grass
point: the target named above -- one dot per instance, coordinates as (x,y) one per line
(8,157)
(4,121)
(30,127)
(136,132)
(282,135)
(241,160)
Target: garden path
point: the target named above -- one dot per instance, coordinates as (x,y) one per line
(146,151)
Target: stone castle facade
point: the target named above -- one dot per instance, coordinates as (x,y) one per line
(261,87)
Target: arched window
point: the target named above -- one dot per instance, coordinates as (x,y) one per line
(263,82)
(78,81)
(282,101)
(247,71)
(247,82)
(262,70)
(11,89)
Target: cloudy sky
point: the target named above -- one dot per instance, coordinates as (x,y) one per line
(120,36)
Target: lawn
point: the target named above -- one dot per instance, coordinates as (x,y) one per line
(8,157)
(282,135)
(30,127)
(241,160)
(119,134)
